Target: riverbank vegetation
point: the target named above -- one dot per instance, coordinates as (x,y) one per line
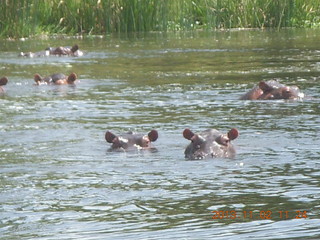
(20,18)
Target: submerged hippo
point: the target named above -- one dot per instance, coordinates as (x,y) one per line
(272,90)
(210,143)
(55,51)
(131,140)
(57,79)
(60,51)
(3,81)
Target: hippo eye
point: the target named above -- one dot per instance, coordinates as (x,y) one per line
(225,142)
(286,90)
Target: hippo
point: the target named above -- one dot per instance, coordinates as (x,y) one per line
(60,51)
(54,51)
(131,141)
(3,81)
(209,144)
(55,79)
(273,90)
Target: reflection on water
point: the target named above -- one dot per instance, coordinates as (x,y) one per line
(58,180)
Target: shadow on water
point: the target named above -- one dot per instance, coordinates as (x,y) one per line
(58,180)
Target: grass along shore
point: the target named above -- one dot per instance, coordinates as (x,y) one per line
(22,18)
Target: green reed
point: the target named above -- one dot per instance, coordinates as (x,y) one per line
(32,17)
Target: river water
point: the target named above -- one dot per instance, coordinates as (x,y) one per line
(59,181)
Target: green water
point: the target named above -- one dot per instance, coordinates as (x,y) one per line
(58,180)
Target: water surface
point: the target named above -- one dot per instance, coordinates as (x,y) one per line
(58,181)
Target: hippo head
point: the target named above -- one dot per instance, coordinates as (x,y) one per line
(210,143)
(72,78)
(63,50)
(74,48)
(274,90)
(131,140)
(145,141)
(3,81)
(38,79)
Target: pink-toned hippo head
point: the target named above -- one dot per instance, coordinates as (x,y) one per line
(131,140)
(210,143)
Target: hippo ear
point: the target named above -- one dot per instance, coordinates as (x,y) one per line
(37,78)
(233,134)
(264,86)
(153,135)
(3,81)
(72,77)
(74,48)
(188,134)
(109,136)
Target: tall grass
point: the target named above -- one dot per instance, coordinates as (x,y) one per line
(31,17)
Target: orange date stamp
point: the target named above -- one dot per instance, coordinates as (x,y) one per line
(262,214)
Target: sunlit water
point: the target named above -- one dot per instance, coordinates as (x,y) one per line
(58,180)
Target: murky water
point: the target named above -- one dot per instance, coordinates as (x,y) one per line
(58,181)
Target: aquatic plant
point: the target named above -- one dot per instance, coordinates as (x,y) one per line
(31,17)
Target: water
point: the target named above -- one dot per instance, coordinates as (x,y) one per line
(58,181)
